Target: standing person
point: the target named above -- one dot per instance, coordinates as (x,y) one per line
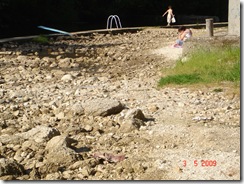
(184,34)
(170,15)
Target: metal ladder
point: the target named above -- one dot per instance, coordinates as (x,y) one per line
(110,21)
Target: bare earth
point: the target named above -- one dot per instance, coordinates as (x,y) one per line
(191,133)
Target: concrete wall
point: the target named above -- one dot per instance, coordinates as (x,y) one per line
(234,18)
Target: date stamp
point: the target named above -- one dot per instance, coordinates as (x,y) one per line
(200,163)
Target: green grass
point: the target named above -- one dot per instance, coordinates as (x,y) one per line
(218,90)
(206,66)
(41,39)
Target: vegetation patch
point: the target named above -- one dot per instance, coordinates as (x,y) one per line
(180,79)
(212,66)
(41,39)
(218,90)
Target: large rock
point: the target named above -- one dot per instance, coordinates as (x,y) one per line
(67,78)
(102,107)
(13,139)
(60,151)
(59,142)
(65,63)
(129,125)
(135,113)
(77,109)
(10,167)
(40,133)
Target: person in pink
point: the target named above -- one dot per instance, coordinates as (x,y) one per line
(184,34)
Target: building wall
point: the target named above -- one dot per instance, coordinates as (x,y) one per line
(234,17)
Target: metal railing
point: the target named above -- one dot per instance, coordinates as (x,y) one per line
(116,20)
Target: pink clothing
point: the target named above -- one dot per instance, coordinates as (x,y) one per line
(188,34)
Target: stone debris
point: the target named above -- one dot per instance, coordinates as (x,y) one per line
(10,167)
(62,101)
(109,157)
(202,118)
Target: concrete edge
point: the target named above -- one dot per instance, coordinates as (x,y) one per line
(115,30)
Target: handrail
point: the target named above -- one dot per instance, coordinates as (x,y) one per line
(110,21)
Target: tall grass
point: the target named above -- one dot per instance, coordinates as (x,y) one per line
(206,66)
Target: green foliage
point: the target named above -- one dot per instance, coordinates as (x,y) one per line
(218,90)
(180,79)
(41,39)
(219,64)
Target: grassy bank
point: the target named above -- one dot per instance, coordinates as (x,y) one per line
(212,66)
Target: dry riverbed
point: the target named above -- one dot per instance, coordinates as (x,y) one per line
(89,108)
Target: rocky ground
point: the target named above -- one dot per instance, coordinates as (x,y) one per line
(89,108)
